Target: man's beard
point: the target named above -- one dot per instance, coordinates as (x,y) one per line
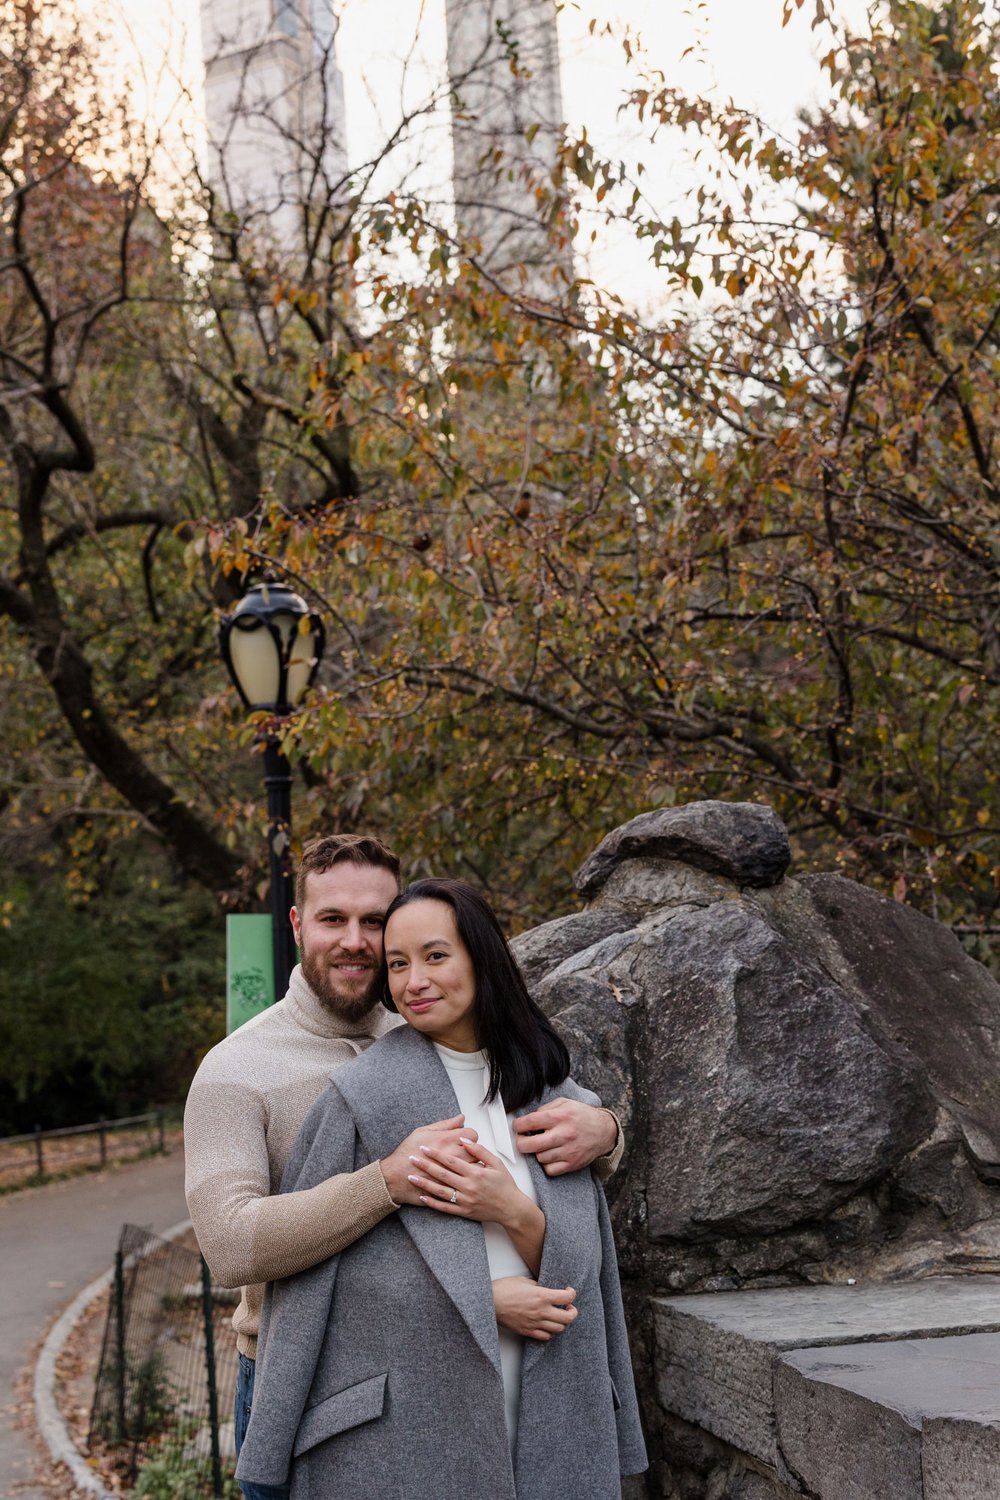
(348,1008)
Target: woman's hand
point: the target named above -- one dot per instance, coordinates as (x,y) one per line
(485,1189)
(530,1310)
(480,1187)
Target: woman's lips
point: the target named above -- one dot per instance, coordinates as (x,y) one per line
(419,1006)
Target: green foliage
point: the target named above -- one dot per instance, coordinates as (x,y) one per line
(747,551)
(149,1399)
(106,1005)
(171,1473)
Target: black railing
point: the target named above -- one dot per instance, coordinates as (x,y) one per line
(159,1391)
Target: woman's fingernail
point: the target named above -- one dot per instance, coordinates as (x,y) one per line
(411,1178)
(416,1161)
(422,1198)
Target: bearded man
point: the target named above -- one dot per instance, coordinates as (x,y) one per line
(254,1089)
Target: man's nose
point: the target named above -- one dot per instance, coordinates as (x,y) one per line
(353,938)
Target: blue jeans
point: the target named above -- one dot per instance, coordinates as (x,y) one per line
(244,1401)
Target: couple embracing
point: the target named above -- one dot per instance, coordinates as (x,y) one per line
(397,1148)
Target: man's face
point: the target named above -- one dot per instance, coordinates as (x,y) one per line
(339,932)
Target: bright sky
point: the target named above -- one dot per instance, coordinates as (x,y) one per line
(739,49)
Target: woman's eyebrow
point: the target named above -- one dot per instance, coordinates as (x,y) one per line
(430,943)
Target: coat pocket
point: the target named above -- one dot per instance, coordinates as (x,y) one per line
(358,1403)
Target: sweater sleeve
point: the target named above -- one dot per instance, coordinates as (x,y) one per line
(606,1166)
(247,1235)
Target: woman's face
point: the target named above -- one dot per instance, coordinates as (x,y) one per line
(431,977)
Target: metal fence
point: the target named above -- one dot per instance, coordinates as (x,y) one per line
(46,1153)
(163,1399)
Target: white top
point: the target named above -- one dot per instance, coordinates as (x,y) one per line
(470,1078)
(469,1075)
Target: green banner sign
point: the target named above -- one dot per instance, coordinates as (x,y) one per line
(249,967)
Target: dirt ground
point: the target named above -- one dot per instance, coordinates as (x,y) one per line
(64,1155)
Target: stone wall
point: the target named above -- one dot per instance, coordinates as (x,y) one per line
(808,1076)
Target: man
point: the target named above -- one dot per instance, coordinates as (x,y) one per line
(253,1090)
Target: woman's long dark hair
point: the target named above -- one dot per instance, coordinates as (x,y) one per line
(525,1053)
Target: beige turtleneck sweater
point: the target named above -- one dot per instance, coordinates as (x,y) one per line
(244,1110)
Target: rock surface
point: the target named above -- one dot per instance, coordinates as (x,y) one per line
(716,1354)
(855,1423)
(922,990)
(743,841)
(808,1074)
(770,1102)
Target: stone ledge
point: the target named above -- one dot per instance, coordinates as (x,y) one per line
(911,1420)
(717,1353)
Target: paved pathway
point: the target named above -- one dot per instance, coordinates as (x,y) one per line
(54,1241)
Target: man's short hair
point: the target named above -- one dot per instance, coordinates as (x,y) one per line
(342,848)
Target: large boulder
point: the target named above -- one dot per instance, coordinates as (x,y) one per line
(769,1101)
(808,1074)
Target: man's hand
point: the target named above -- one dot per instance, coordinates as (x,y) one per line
(569,1135)
(396,1168)
(530,1310)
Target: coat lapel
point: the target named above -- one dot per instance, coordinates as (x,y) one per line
(402,1084)
(568,1253)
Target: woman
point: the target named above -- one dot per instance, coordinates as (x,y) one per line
(383,1375)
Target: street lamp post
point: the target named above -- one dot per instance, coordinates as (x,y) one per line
(271,644)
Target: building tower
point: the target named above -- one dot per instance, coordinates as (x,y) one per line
(507,119)
(276,122)
(275,106)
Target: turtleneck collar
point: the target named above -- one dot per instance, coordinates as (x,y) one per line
(313,1015)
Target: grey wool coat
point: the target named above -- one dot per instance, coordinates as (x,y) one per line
(378,1371)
